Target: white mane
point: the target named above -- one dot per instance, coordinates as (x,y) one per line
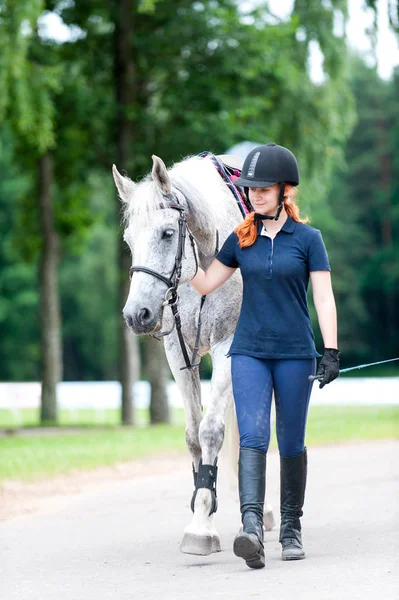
(201,193)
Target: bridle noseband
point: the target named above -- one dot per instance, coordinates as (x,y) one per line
(171,295)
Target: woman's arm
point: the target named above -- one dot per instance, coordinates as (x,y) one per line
(206,282)
(324,302)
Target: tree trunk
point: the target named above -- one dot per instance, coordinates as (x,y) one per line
(129,356)
(129,364)
(50,319)
(156,371)
(130,94)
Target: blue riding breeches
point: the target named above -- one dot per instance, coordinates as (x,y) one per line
(254,380)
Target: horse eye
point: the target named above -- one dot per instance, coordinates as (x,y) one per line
(167,234)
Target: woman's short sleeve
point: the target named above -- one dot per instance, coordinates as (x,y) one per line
(317,256)
(227,254)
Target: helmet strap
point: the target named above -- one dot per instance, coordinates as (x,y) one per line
(259,217)
(280,201)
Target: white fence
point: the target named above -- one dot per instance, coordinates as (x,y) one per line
(101,395)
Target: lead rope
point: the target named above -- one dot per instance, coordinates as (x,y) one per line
(203,298)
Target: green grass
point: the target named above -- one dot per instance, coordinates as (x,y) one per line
(30,417)
(329,424)
(31,457)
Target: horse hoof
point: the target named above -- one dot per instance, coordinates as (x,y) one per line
(216,544)
(201,545)
(268,520)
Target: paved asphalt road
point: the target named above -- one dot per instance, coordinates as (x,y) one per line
(122,541)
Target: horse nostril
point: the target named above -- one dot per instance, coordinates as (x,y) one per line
(128,319)
(145,316)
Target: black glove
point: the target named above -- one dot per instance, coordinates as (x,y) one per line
(328,366)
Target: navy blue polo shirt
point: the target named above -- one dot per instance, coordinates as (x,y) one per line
(274,320)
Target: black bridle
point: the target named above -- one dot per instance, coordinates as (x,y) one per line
(171,296)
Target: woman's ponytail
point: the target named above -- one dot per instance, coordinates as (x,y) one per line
(247,231)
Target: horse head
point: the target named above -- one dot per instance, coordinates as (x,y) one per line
(156,234)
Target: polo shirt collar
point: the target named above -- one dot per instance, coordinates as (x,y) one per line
(288,227)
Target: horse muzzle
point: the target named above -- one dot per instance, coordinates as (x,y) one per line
(142,321)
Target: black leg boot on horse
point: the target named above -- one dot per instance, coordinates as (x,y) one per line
(251,480)
(293,471)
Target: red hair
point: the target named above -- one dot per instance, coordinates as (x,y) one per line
(247,231)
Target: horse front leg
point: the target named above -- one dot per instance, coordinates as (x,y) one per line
(201,536)
(204,440)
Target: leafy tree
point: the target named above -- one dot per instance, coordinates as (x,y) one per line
(30,78)
(374,189)
(362,235)
(89,287)
(217,72)
(39,90)
(174,79)
(19,298)
(393,13)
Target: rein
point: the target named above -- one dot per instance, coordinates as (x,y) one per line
(171,295)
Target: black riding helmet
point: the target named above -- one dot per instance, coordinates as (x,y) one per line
(267,165)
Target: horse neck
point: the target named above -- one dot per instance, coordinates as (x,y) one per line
(207,227)
(207,252)
(210,238)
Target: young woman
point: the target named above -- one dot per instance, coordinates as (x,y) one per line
(273,347)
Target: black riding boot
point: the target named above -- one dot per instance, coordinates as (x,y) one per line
(251,480)
(293,472)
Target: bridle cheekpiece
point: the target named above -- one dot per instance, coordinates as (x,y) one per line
(171,295)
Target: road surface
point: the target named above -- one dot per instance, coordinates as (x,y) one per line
(121,540)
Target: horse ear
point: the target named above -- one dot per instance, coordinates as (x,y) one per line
(160,175)
(124,185)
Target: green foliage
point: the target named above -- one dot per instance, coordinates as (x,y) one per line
(393,13)
(19,336)
(360,223)
(29,75)
(148,6)
(89,292)
(47,99)
(225,75)
(206,75)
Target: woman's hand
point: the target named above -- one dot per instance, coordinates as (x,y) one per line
(328,367)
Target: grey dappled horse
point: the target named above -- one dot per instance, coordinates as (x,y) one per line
(187,212)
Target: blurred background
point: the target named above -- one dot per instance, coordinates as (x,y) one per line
(87,84)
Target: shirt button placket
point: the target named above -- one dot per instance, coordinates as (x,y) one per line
(269,260)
